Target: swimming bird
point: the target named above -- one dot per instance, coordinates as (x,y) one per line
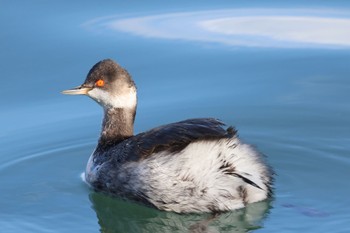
(195,165)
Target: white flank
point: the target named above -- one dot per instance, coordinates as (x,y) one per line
(193,180)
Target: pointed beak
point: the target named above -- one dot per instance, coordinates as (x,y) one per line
(81,90)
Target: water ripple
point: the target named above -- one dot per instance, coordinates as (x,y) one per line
(276,28)
(54,150)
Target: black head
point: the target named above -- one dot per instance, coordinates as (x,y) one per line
(109,84)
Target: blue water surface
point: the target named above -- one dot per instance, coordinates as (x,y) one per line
(278,71)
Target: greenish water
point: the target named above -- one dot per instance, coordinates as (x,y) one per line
(285,88)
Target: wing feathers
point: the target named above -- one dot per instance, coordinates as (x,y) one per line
(176,136)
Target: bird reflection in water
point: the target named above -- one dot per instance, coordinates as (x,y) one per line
(116,215)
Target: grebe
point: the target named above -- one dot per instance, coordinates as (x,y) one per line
(194,165)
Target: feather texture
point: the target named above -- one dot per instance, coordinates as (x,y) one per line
(194,165)
(176,136)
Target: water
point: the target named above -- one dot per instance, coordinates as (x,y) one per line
(287,91)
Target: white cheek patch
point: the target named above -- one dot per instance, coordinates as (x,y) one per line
(125,100)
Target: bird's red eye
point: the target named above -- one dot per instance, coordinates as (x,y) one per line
(100,83)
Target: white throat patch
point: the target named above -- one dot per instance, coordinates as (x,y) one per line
(127,99)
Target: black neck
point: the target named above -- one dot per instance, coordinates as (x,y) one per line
(117,125)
